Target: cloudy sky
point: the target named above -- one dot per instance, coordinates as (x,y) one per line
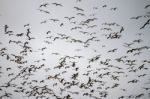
(74,49)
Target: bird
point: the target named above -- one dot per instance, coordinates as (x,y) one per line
(146,88)
(140,95)
(47,12)
(142,75)
(43,22)
(147,6)
(44,5)
(26,25)
(61,24)
(138,40)
(20,34)
(54,20)
(48,32)
(137,17)
(6,27)
(133,81)
(113,50)
(57,4)
(128,44)
(90,39)
(122,29)
(28,32)
(69,18)
(78,9)
(115,8)
(81,14)
(74,28)
(145,24)
(121,97)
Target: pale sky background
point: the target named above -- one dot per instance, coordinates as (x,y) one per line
(17,13)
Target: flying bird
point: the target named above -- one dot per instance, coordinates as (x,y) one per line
(147,6)
(78,9)
(57,4)
(145,24)
(44,5)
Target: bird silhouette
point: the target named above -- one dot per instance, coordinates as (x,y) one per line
(78,9)
(44,5)
(57,4)
(147,6)
(145,24)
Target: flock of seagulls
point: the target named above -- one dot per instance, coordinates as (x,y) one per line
(76,54)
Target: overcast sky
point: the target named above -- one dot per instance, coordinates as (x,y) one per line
(90,34)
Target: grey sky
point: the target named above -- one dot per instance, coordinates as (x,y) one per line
(56,36)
